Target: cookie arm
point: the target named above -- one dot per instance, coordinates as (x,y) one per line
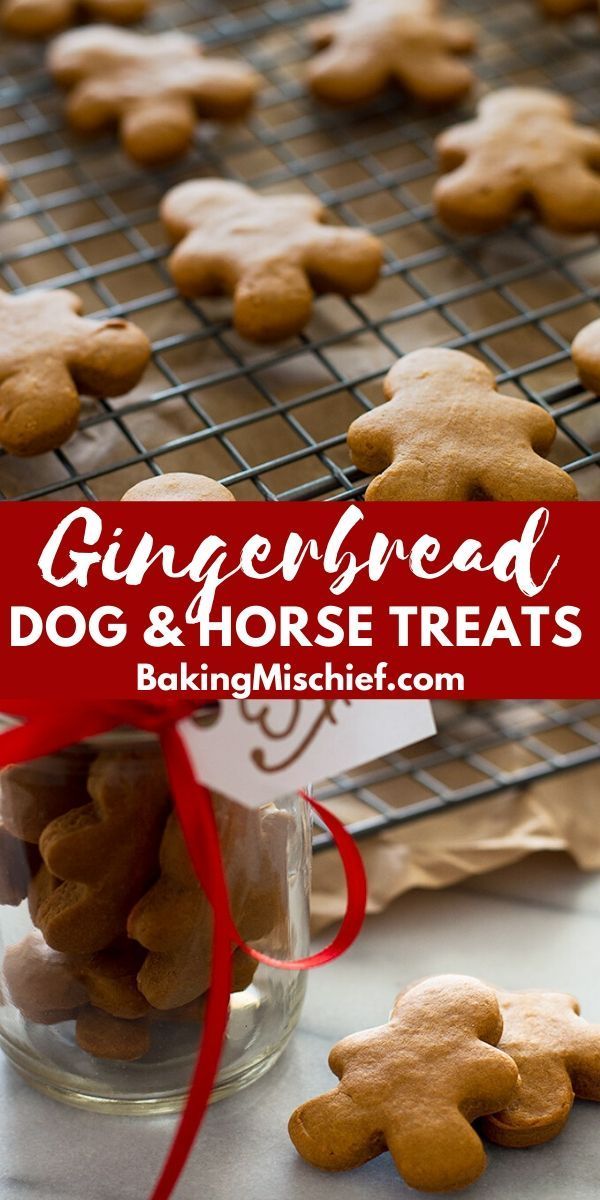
(35,18)
(108,358)
(434,76)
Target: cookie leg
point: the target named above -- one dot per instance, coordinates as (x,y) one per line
(446,1155)
(445,81)
(347,261)
(272,302)
(117,12)
(39,409)
(36,18)
(198,270)
(158,130)
(416,479)
(333,1132)
(539,1112)
(527,478)
(470,202)
(347,73)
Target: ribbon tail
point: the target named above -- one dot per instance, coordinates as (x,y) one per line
(356,903)
(194,808)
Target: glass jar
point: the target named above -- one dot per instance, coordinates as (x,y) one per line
(105,934)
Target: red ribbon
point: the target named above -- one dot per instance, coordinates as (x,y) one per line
(47,731)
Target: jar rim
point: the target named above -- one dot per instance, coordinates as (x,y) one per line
(122,734)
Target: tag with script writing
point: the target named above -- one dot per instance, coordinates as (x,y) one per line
(257,751)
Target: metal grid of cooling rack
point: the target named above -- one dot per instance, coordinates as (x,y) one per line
(479,751)
(271,423)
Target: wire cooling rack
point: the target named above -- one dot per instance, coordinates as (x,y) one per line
(271,423)
(479,751)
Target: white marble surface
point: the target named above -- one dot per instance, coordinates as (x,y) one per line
(535,924)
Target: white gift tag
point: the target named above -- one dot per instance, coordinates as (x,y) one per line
(257,751)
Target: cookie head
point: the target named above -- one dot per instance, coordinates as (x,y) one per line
(153,87)
(445,433)
(178,486)
(516,156)
(586,356)
(270,253)
(376,42)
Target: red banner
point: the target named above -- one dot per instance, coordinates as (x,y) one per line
(299,600)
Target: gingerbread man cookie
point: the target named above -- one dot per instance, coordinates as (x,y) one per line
(15,867)
(413,1087)
(49,353)
(34,793)
(447,434)
(558,1056)
(522,151)
(271,253)
(567,8)
(155,88)
(375,42)
(38,18)
(101,858)
(586,356)
(178,486)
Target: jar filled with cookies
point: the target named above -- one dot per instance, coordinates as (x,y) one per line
(106,934)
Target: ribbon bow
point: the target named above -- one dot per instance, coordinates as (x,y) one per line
(46,731)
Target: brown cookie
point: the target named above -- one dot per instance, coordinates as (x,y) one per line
(413,1087)
(447,434)
(48,354)
(567,8)
(104,854)
(178,486)
(174,919)
(110,980)
(586,356)
(38,18)
(41,983)
(271,253)
(155,88)
(558,1056)
(15,868)
(516,155)
(34,793)
(3,182)
(375,42)
(104,1036)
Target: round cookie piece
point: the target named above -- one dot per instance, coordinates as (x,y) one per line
(179,485)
